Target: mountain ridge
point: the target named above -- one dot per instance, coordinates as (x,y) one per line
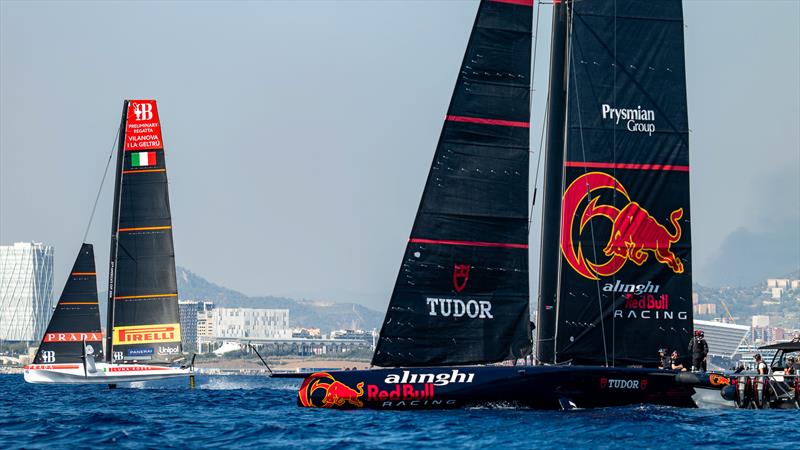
(303,313)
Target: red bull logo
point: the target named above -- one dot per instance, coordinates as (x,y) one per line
(336,393)
(635,233)
(718,380)
(400,392)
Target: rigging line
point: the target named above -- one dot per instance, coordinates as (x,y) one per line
(545,122)
(588,189)
(545,119)
(534,40)
(100,189)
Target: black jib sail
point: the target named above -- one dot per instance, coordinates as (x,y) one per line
(76,318)
(461,295)
(624,280)
(143,294)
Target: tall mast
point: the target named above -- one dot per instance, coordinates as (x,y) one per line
(553,177)
(112,260)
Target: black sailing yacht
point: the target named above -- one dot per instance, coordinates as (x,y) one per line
(615,269)
(143,339)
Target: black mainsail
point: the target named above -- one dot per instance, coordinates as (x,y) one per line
(76,319)
(143,317)
(461,295)
(623,284)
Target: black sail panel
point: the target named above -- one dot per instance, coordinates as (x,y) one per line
(626,279)
(76,318)
(461,295)
(146,325)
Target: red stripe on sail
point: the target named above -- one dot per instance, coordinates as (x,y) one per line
(467,243)
(482,121)
(601,165)
(516,2)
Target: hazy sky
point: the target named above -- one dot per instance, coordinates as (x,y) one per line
(299,134)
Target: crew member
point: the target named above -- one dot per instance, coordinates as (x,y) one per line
(761,366)
(663,358)
(790,366)
(698,348)
(675,363)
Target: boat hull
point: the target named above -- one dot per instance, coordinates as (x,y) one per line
(104,373)
(539,387)
(711,388)
(709,397)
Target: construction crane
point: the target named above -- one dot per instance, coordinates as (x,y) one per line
(727,311)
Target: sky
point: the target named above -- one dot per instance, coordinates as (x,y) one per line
(298,135)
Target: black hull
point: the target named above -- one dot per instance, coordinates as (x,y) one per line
(538,387)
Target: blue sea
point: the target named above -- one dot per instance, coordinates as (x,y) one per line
(257,412)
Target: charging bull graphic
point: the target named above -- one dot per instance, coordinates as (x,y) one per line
(336,392)
(635,233)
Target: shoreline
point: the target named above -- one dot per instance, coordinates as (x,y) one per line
(249,367)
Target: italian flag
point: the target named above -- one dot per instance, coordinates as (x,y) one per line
(143,159)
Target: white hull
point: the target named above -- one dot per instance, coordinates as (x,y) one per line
(710,398)
(104,374)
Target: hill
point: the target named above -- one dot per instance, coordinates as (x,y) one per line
(745,302)
(325,315)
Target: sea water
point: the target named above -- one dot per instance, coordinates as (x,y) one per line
(257,412)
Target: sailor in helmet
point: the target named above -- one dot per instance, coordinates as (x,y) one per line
(698,349)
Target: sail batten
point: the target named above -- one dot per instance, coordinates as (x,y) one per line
(461,295)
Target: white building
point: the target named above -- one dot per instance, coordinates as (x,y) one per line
(760,321)
(243,323)
(26,290)
(778,282)
(205,326)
